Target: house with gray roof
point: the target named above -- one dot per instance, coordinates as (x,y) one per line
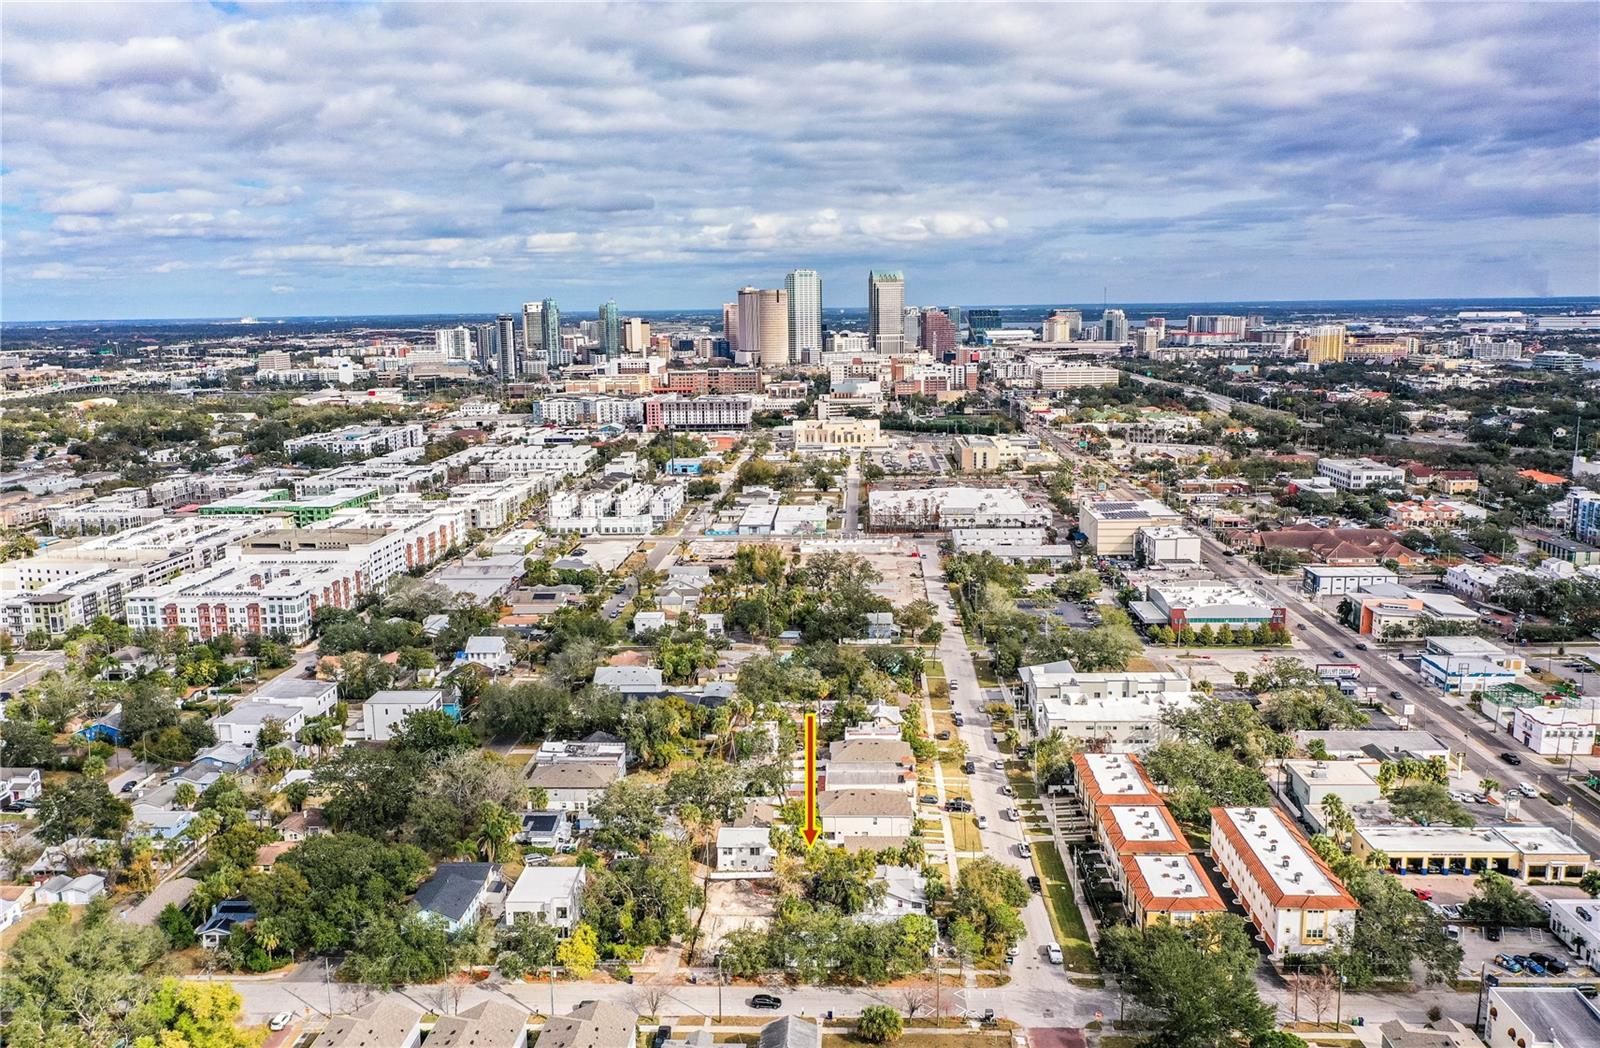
(593,1024)
(456,892)
(633,682)
(488,1024)
(791,1032)
(388,1022)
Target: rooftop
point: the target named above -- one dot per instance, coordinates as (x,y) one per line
(1279,859)
(1170,882)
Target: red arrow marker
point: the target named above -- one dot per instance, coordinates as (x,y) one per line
(812,831)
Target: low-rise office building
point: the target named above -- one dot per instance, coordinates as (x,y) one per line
(1332,580)
(1466,665)
(1118,712)
(1180,605)
(1309,782)
(1525,850)
(1112,525)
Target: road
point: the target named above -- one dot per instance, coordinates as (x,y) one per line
(1318,635)
(29,667)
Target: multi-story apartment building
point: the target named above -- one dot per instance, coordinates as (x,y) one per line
(1290,894)
(671,412)
(1360,474)
(1118,712)
(360,440)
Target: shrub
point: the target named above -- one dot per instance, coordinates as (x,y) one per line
(879,1024)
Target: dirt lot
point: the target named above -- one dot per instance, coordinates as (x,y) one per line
(731,905)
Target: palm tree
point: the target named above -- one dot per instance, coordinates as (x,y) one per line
(1335,815)
(495,827)
(1488,786)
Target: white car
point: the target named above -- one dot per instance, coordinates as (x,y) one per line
(279,1021)
(1052,952)
(1025,850)
(1527,790)
(983,822)
(1014,814)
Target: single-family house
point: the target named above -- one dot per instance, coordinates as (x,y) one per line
(456,892)
(18,785)
(571,787)
(632,682)
(175,892)
(905,894)
(553,893)
(388,1022)
(881,627)
(386,710)
(871,762)
(14,898)
(224,915)
(487,1024)
(712,623)
(865,817)
(105,729)
(74,891)
(593,1024)
(493,653)
(243,724)
(791,1031)
(157,823)
(649,622)
(267,855)
(745,848)
(303,825)
(544,829)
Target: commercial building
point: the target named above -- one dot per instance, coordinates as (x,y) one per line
(1540,1017)
(1309,782)
(1360,474)
(836,434)
(610,330)
(1583,514)
(1118,712)
(1555,731)
(886,305)
(1290,894)
(938,334)
(1112,525)
(1324,580)
(1466,665)
(1052,377)
(1532,852)
(959,507)
(977,454)
(1168,545)
(1576,922)
(1196,604)
(281,501)
(803,290)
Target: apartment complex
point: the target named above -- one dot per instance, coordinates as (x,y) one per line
(1290,894)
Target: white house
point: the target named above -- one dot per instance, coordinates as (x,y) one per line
(386,710)
(905,894)
(74,891)
(554,893)
(18,785)
(745,848)
(649,621)
(242,725)
(493,653)
(14,898)
(456,892)
(571,787)
(880,817)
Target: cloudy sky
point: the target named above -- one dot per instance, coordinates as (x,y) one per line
(166,160)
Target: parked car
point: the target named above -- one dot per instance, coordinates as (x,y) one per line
(130,785)
(1507,962)
(1035,884)
(1532,967)
(1014,814)
(1005,789)
(1452,932)
(1422,893)
(1453,912)
(1589,990)
(766,1000)
(1555,964)
(983,822)
(928,798)
(1052,951)
(1511,759)
(280,1021)
(999,765)
(1492,933)
(970,767)
(943,736)
(1025,850)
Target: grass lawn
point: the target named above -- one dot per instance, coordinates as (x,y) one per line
(964,831)
(1071,932)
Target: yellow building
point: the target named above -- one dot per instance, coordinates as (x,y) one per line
(812,433)
(1324,344)
(1531,852)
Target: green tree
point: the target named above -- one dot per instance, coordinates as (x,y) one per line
(398,950)
(177,926)
(1590,882)
(525,947)
(879,1024)
(81,807)
(1429,804)
(1496,899)
(194,1015)
(579,952)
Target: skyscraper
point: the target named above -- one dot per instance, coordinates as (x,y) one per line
(505,341)
(911,329)
(730,324)
(1063,325)
(453,343)
(1324,344)
(938,334)
(550,334)
(747,347)
(774,339)
(484,340)
(886,303)
(610,330)
(1114,326)
(635,334)
(533,330)
(804,288)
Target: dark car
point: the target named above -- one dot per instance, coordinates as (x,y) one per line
(766,1000)
(662,1035)
(1555,964)
(1035,884)
(1492,933)
(1396,696)
(1361,647)
(130,785)
(1589,990)
(971,767)
(928,798)
(1338,654)
(1511,758)
(943,736)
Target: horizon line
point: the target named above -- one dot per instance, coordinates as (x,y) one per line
(264,318)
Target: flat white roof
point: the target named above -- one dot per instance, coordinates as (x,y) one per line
(1142,823)
(1335,773)
(1116,775)
(1172,876)
(1530,841)
(1280,854)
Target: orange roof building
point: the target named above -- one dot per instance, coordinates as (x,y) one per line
(1539,476)
(1167,887)
(1292,897)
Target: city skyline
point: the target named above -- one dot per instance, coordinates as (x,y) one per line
(402,160)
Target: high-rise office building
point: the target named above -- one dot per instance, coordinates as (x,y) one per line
(484,345)
(1063,325)
(747,346)
(804,288)
(938,334)
(982,321)
(454,343)
(1114,326)
(610,330)
(911,327)
(1324,344)
(635,335)
(533,329)
(886,305)
(730,324)
(505,344)
(550,334)
(773,342)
